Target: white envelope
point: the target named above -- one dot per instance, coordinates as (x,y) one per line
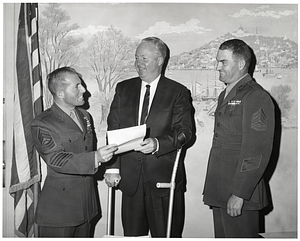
(127,139)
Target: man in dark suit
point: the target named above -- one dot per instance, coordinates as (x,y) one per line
(144,206)
(242,144)
(65,139)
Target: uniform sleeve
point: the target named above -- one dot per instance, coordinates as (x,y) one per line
(258,123)
(49,145)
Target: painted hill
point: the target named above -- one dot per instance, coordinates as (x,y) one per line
(274,51)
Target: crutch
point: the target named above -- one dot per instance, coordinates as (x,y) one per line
(110,211)
(172,184)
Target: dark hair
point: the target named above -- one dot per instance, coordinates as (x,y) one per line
(239,49)
(159,44)
(56,79)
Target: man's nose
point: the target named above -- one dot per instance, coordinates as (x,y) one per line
(82,89)
(139,61)
(219,66)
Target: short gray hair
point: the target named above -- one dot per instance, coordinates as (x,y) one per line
(159,44)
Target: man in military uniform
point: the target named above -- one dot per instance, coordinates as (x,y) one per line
(242,144)
(64,137)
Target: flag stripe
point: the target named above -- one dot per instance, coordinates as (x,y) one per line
(27,104)
(37,76)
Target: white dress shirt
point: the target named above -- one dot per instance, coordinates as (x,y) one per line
(153,86)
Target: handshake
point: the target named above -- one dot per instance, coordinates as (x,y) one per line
(105,153)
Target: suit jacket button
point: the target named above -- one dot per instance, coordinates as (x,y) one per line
(64,189)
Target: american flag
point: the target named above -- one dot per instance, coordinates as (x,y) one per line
(25,172)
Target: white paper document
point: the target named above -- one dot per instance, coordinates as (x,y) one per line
(127,139)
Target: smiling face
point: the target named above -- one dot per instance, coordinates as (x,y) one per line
(71,94)
(148,62)
(229,67)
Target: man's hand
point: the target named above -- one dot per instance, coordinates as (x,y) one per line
(105,153)
(234,206)
(112,179)
(147,146)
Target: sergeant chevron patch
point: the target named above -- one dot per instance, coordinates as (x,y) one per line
(46,140)
(251,163)
(60,159)
(259,120)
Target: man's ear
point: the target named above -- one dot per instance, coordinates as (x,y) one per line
(242,64)
(60,94)
(160,61)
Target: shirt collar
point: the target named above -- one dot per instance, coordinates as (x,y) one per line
(65,109)
(152,84)
(231,85)
(235,82)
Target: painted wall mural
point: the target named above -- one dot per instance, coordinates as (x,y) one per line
(99,41)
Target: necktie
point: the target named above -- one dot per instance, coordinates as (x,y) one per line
(145,105)
(75,119)
(226,92)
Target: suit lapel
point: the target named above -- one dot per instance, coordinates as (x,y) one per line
(229,96)
(136,100)
(159,94)
(82,120)
(220,100)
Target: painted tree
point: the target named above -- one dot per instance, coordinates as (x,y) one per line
(281,94)
(110,56)
(57,47)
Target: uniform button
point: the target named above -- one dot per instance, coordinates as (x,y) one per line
(139,159)
(216,135)
(220,113)
(64,189)
(218,124)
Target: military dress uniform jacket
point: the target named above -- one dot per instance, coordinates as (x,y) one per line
(170,113)
(241,148)
(68,197)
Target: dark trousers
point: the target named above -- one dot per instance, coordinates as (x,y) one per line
(143,212)
(81,231)
(243,226)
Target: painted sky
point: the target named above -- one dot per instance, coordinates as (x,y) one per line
(185,26)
